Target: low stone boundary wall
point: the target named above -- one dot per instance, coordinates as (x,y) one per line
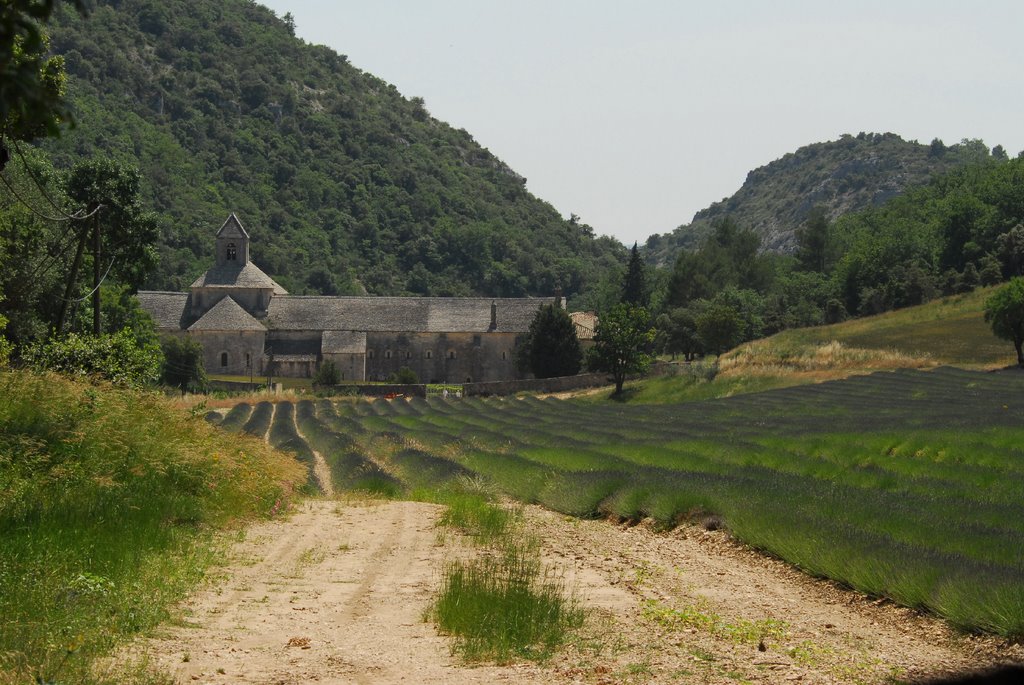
(560,384)
(385,389)
(542,385)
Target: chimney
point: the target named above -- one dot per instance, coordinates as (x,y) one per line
(494,316)
(558,297)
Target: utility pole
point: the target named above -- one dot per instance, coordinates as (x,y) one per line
(96,275)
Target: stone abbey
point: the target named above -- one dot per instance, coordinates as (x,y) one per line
(249,325)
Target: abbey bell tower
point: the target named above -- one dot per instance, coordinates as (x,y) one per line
(232,244)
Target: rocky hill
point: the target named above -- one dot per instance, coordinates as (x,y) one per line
(849,174)
(346,185)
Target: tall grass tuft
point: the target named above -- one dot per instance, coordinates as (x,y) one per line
(109,501)
(505,605)
(475,516)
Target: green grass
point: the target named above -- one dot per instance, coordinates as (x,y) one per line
(475,516)
(951,330)
(503,603)
(682,387)
(110,503)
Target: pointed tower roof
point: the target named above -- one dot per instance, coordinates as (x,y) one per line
(227,315)
(232,227)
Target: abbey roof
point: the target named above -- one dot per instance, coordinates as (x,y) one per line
(234,276)
(402,314)
(169,310)
(227,315)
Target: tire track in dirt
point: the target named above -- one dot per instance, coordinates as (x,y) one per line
(336,593)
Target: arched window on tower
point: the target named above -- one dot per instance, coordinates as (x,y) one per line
(232,252)
(223,359)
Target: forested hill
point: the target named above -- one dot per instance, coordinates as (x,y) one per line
(343,183)
(845,175)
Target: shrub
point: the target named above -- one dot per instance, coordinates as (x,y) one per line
(118,358)
(404,376)
(182,366)
(327,375)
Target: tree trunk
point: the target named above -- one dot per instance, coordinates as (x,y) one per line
(72,277)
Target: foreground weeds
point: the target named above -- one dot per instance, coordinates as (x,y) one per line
(110,501)
(502,603)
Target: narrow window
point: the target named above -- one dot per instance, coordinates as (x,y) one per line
(248,360)
(408,355)
(429,354)
(451,354)
(223,359)
(232,253)
(369,354)
(387,354)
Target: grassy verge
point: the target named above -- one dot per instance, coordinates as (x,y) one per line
(502,603)
(110,501)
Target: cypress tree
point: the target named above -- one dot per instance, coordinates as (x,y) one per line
(634,284)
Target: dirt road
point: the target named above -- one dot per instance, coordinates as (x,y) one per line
(336,592)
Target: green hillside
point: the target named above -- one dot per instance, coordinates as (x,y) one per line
(946,332)
(845,175)
(949,331)
(344,183)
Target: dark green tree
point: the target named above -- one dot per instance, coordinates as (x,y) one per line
(677,333)
(121,235)
(1011,251)
(183,366)
(634,283)
(728,257)
(719,327)
(812,241)
(1004,311)
(551,347)
(32,81)
(327,375)
(621,343)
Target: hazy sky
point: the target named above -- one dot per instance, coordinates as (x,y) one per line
(634,115)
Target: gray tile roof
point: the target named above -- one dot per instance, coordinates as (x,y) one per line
(235,276)
(167,309)
(401,314)
(227,315)
(343,342)
(232,226)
